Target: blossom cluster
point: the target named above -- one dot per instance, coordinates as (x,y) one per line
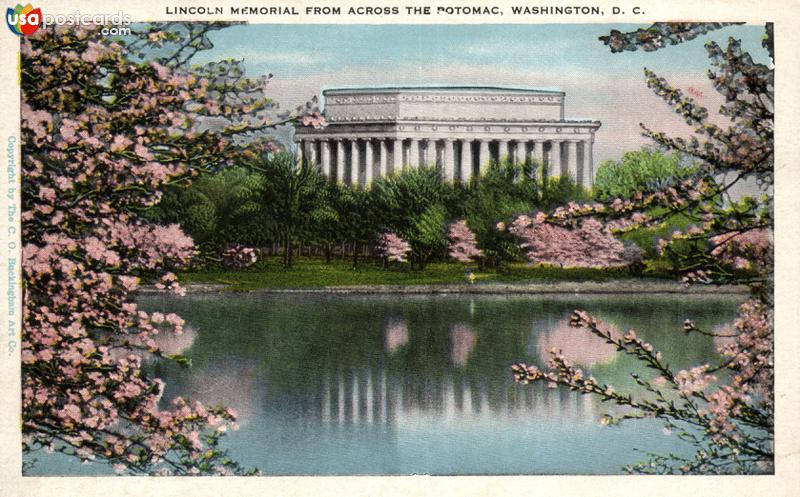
(743,250)
(461,243)
(728,417)
(101,136)
(659,35)
(392,247)
(589,245)
(238,256)
(730,412)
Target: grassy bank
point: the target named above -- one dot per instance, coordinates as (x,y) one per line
(315,273)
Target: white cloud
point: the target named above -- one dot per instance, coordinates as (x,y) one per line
(276,57)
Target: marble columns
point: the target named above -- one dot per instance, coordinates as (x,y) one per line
(381,156)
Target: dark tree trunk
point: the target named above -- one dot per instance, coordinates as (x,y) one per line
(287,251)
(355,254)
(328,250)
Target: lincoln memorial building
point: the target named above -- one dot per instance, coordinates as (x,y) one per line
(374,132)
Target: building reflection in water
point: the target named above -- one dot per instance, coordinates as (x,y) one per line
(578,345)
(390,390)
(375,396)
(387,378)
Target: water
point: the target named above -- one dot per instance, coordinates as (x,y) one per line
(357,385)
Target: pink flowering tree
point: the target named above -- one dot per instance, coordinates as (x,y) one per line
(461,243)
(589,244)
(392,248)
(238,256)
(102,134)
(724,409)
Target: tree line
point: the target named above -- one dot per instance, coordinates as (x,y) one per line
(287,208)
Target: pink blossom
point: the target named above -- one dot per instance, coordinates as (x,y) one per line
(68,131)
(72,412)
(47,194)
(742,250)
(462,245)
(588,245)
(92,53)
(142,152)
(129,282)
(392,247)
(314,119)
(120,143)
(694,380)
(238,256)
(95,159)
(162,72)
(97,250)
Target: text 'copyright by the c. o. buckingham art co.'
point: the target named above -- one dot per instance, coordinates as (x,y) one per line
(10,245)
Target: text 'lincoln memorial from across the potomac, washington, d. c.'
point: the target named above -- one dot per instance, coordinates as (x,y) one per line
(375,132)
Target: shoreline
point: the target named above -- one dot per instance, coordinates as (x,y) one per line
(620,287)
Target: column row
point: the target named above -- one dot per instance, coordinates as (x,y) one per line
(360,161)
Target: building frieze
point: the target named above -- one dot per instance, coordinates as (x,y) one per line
(477,99)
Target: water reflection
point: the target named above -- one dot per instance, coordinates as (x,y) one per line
(396,334)
(173,343)
(725,335)
(372,397)
(234,384)
(578,345)
(388,385)
(462,341)
(168,342)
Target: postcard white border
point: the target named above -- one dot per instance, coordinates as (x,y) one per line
(783,13)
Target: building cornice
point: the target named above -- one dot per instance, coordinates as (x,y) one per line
(349,99)
(433,89)
(440,129)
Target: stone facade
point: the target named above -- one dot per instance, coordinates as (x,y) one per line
(373,132)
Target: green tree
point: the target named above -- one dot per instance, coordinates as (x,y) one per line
(325,227)
(218,209)
(357,217)
(427,234)
(559,190)
(411,204)
(402,199)
(291,193)
(496,196)
(647,169)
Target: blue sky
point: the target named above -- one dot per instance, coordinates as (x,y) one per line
(305,59)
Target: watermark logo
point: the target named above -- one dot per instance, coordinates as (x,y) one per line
(23,20)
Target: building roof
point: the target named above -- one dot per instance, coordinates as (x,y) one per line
(400,89)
